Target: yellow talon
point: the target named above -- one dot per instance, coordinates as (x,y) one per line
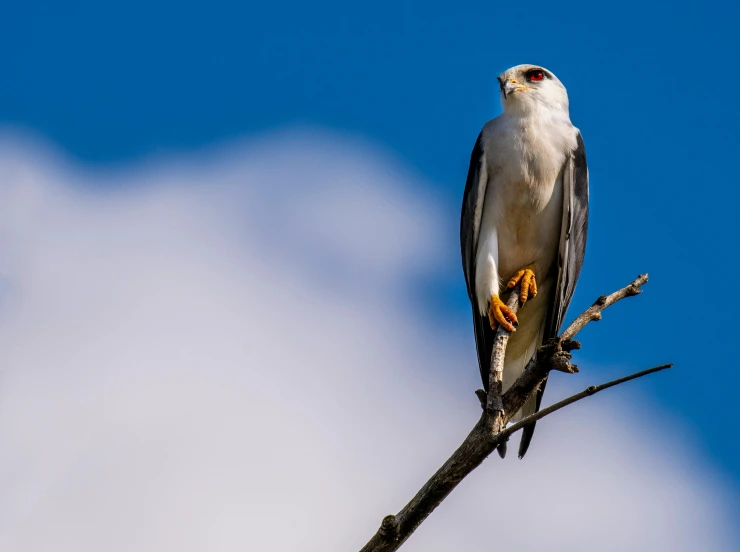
(499,313)
(529,284)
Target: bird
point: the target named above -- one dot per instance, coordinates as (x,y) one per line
(524,222)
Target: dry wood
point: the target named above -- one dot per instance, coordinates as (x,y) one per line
(594,311)
(494,404)
(592,390)
(490,432)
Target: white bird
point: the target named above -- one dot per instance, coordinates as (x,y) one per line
(524,220)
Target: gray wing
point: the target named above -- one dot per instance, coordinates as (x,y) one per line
(572,251)
(470,218)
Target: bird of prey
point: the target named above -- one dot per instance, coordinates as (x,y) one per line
(524,221)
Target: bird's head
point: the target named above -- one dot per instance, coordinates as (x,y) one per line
(527,88)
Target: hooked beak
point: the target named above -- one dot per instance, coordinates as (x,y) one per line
(508,87)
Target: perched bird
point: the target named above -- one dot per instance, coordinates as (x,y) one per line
(524,221)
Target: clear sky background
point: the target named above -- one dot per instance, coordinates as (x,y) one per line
(372,110)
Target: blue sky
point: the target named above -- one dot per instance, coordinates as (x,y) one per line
(653,89)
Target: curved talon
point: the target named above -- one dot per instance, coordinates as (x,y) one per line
(529,284)
(499,313)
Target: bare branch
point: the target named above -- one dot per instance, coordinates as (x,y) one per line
(494,403)
(489,433)
(592,390)
(594,311)
(555,354)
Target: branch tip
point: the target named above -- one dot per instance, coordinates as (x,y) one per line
(560,362)
(569,345)
(593,313)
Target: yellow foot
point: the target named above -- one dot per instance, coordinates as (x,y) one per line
(499,313)
(529,284)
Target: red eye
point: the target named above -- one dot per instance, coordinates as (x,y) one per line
(535,75)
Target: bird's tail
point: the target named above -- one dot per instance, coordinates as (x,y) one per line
(512,370)
(529,408)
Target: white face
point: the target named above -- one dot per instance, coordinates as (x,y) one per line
(527,88)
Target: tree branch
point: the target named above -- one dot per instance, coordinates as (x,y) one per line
(494,404)
(555,354)
(594,311)
(489,432)
(592,390)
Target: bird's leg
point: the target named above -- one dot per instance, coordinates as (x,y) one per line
(499,313)
(528,289)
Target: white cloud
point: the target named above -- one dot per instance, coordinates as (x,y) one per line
(215,353)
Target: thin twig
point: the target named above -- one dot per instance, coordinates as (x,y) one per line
(592,390)
(594,311)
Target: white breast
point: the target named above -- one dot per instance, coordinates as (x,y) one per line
(523,207)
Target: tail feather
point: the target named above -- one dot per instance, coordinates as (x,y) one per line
(528,430)
(512,370)
(529,408)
